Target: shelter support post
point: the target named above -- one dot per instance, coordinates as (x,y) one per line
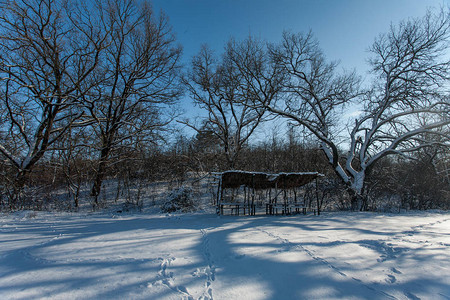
(317,198)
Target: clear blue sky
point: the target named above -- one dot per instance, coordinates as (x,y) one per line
(344,28)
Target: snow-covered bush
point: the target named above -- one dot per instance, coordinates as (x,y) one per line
(179,199)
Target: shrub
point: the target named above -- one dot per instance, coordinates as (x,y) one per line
(179,199)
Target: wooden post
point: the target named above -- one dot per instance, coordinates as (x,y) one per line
(219,185)
(245,198)
(317,198)
(221,197)
(253,191)
(276,193)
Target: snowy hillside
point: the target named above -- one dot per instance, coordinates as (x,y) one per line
(202,256)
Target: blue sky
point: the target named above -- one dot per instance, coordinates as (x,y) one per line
(344,28)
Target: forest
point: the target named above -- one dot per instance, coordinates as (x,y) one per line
(91,93)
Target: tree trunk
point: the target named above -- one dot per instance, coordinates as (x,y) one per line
(358,199)
(15,195)
(100,175)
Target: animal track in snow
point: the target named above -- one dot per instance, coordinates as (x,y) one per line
(167,279)
(391,279)
(298,246)
(290,246)
(209,271)
(387,250)
(412,236)
(416,229)
(411,296)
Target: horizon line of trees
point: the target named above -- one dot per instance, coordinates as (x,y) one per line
(396,183)
(89,92)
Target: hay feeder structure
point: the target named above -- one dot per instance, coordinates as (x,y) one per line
(278,191)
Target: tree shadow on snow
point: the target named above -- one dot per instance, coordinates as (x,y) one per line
(229,257)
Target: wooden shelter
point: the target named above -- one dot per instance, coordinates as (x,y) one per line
(273,184)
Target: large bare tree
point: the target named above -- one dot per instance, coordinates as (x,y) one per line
(408,100)
(222,89)
(47,50)
(135,82)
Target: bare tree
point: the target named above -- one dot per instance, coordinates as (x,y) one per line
(408,103)
(314,95)
(45,56)
(221,89)
(409,96)
(136,80)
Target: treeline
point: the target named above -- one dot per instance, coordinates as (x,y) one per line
(395,184)
(89,92)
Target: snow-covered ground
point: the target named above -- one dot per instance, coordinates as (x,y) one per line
(203,256)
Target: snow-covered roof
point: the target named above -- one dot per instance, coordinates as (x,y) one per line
(262,180)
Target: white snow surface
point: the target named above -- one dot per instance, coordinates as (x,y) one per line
(203,256)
